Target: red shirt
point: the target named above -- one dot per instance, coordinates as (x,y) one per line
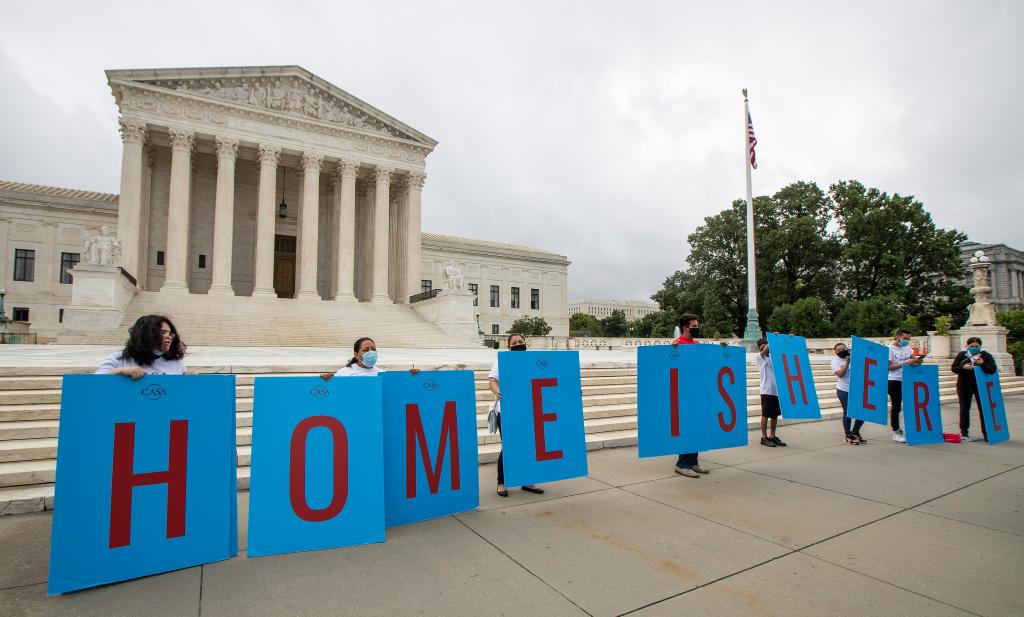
(685,341)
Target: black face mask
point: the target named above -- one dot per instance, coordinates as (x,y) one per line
(844,354)
(695,332)
(519,347)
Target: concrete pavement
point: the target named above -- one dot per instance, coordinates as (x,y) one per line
(818,528)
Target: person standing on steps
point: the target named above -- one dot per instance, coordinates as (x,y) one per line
(153,348)
(770,409)
(363,362)
(900,355)
(516,342)
(841,369)
(967,383)
(688,465)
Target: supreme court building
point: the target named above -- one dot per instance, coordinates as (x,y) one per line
(239,184)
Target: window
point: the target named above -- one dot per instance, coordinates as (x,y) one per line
(67,261)
(495,296)
(20,314)
(60,316)
(426,285)
(473,287)
(515,297)
(495,329)
(202,262)
(24,265)
(535,299)
(159,258)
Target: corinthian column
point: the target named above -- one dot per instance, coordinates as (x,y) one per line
(309,219)
(265,222)
(381,228)
(345,195)
(129,208)
(178,210)
(224,217)
(413,236)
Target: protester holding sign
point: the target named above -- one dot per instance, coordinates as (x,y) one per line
(967,385)
(153,348)
(900,355)
(363,363)
(841,369)
(770,409)
(687,465)
(516,342)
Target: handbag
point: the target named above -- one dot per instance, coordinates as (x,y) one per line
(492,416)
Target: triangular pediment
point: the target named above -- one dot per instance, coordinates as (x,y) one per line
(289,90)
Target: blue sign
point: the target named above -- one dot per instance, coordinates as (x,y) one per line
(145,477)
(317,477)
(691,398)
(541,416)
(922,410)
(869,382)
(993,410)
(430,449)
(794,377)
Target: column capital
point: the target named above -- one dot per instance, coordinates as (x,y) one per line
(181,139)
(269,154)
(382,174)
(416,179)
(312,161)
(133,131)
(347,168)
(226,147)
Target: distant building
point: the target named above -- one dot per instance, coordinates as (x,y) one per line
(1007,273)
(634,309)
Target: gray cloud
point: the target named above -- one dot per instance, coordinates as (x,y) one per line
(601,130)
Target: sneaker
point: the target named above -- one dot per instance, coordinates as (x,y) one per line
(700,469)
(966,438)
(686,471)
(898,437)
(778,441)
(767,442)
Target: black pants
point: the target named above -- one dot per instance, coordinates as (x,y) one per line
(964,393)
(896,398)
(687,461)
(501,457)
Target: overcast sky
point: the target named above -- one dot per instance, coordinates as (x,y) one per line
(605,131)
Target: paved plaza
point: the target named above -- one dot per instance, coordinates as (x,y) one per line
(818,528)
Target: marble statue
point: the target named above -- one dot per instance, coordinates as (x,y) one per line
(103,249)
(453,277)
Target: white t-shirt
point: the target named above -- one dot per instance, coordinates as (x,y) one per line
(160,365)
(843,383)
(764,366)
(494,371)
(357,371)
(899,354)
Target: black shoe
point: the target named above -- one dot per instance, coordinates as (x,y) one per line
(533,489)
(767,442)
(778,441)
(503,493)
(859,438)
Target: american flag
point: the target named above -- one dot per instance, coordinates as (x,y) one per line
(751,141)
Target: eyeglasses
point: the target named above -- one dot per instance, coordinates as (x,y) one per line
(168,333)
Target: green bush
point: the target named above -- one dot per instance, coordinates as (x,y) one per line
(875,317)
(530,326)
(806,317)
(942,324)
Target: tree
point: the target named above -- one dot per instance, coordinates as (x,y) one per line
(806,317)
(874,317)
(659,324)
(614,325)
(530,326)
(584,324)
(715,320)
(1014,322)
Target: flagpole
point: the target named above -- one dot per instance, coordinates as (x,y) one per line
(753,329)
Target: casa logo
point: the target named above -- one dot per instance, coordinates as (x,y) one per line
(673,355)
(153,392)
(542,363)
(430,385)
(319,392)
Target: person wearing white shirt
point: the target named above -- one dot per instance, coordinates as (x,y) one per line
(516,342)
(362,364)
(153,348)
(770,409)
(841,369)
(900,355)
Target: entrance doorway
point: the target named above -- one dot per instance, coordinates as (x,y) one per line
(284,266)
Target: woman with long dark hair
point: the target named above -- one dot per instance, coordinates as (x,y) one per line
(153,348)
(516,342)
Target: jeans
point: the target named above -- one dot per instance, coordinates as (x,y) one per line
(844,398)
(896,398)
(686,461)
(964,393)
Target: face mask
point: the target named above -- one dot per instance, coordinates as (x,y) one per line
(844,354)
(370,358)
(157,353)
(695,332)
(519,347)
(974,350)
(904,342)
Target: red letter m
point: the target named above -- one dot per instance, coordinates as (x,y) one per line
(414,435)
(124,479)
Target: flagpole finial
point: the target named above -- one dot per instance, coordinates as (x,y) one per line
(744,94)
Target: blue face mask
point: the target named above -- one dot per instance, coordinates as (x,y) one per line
(370,358)
(974,350)
(904,342)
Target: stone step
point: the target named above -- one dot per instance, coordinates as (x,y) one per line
(28,449)
(30,383)
(47,411)
(28,429)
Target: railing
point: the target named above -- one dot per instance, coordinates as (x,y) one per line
(17,338)
(128,276)
(426,295)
